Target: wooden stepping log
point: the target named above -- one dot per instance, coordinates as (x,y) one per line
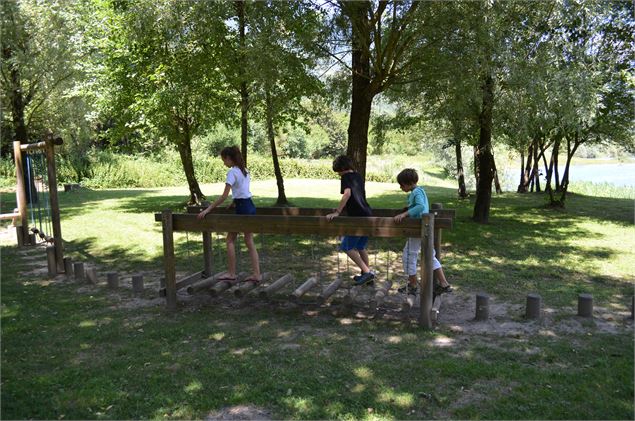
(246,287)
(50,261)
(585,305)
(532,310)
(353,292)
(303,289)
(409,302)
(91,275)
(137,283)
(221,286)
(436,308)
(204,284)
(482,307)
(113,280)
(330,290)
(267,292)
(68,267)
(78,270)
(380,294)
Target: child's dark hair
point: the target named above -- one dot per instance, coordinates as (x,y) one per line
(233,153)
(343,163)
(407,177)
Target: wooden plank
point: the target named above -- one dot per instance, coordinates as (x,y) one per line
(169,261)
(292,211)
(300,225)
(54,202)
(427,276)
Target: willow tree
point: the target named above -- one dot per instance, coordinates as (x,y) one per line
(160,71)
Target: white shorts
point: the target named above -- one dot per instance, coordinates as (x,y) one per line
(411,252)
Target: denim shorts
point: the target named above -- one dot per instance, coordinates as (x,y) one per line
(245,207)
(350,242)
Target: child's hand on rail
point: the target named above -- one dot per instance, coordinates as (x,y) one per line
(400,217)
(331,216)
(202,214)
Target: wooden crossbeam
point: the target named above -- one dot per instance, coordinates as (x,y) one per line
(440,213)
(301,225)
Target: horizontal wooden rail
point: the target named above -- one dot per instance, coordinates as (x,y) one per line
(302,225)
(9,215)
(27,147)
(440,213)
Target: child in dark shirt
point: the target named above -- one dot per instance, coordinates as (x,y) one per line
(354,200)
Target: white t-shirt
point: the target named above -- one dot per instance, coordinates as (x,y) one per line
(239,183)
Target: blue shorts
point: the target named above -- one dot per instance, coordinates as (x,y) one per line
(245,207)
(350,242)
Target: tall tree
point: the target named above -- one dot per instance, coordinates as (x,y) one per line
(161,75)
(381,36)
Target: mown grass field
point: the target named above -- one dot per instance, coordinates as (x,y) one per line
(74,352)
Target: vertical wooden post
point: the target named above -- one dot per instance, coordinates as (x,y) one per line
(169,260)
(20,194)
(437,232)
(426,287)
(208,255)
(54,202)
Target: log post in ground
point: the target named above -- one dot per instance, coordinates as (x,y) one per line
(585,305)
(427,276)
(532,310)
(113,280)
(169,262)
(303,289)
(482,307)
(91,275)
(51,262)
(137,283)
(68,267)
(203,284)
(330,290)
(78,270)
(267,292)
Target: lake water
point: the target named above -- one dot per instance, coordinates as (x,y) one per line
(620,174)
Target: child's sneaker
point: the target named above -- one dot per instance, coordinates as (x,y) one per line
(409,289)
(363,278)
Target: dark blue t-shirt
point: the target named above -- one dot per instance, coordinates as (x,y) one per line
(357,204)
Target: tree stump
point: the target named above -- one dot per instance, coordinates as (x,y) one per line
(585,305)
(532,310)
(482,307)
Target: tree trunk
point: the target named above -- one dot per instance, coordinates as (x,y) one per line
(282,198)
(361,98)
(525,178)
(485,157)
(549,173)
(459,168)
(497,184)
(185,151)
(536,169)
(565,176)
(476,165)
(556,152)
(244,94)
(521,182)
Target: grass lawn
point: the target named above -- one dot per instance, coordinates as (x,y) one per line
(72,351)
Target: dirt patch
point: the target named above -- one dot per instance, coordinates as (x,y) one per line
(478,394)
(240,412)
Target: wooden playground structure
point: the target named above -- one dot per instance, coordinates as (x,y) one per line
(301,221)
(36,182)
